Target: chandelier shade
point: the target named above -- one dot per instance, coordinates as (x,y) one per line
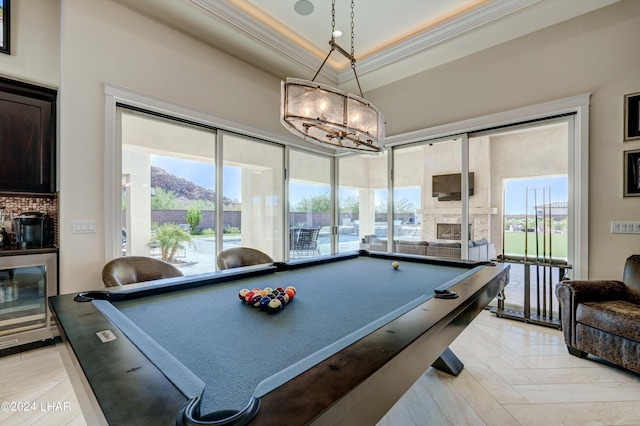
(324,115)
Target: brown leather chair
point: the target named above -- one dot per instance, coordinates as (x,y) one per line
(241,256)
(135,269)
(602,317)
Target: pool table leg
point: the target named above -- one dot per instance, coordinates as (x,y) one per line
(449,363)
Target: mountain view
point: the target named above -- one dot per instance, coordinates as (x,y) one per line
(183,188)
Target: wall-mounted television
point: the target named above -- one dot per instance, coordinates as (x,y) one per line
(449,187)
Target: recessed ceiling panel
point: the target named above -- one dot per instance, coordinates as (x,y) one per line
(377,23)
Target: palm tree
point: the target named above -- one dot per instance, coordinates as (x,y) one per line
(170,238)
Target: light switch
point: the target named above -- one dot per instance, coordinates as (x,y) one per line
(84,226)
(625,227)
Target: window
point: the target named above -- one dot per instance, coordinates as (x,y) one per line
(309,204)
(362,201)
(252,195)
(355,206)
(532,225)
(168,191)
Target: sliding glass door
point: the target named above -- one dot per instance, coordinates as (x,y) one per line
(309,204)
(429,206)
(498,194)
(252,195)
(530,222)
(168,191)
(362,201)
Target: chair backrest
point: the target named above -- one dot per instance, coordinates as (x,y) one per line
(241,256)
(632,272)
(308,238)
(135,269)
(293,237)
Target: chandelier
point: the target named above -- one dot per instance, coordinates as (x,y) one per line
(327,116)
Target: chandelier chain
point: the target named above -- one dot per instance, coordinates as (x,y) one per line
(335,46)
(353,57)
(352,32)
(333,20)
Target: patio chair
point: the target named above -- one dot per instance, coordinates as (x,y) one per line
(306,242)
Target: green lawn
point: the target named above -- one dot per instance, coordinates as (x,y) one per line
(514,244)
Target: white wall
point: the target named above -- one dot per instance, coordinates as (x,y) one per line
(596,53)
(105,42)
(35,43)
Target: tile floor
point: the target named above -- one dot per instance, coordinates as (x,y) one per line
(515,374)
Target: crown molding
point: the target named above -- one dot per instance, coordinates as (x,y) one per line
(225,12)
(457,26)
(238,19)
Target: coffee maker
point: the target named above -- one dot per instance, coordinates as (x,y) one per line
(32,229)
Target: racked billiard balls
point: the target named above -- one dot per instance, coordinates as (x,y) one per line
(291,293)
(275,305)
(264,302)
(255,301)
(243,293)
(249,296)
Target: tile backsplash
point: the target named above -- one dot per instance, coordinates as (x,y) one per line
(15,205)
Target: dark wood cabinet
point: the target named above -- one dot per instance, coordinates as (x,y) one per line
(27,138)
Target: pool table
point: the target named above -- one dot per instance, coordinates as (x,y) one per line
(355,337)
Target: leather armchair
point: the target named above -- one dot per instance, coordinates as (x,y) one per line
(241,256)
(135,269)
(602,317)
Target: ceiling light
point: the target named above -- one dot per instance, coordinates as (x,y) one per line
(328,116)
(337,33)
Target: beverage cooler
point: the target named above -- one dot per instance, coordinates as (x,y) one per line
(26,280)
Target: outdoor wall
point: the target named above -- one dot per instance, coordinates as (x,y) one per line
(596,53)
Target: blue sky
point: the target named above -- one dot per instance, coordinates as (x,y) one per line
(517,189)
(203,174)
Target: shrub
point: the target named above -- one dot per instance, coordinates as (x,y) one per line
(170,238)
(194,217)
